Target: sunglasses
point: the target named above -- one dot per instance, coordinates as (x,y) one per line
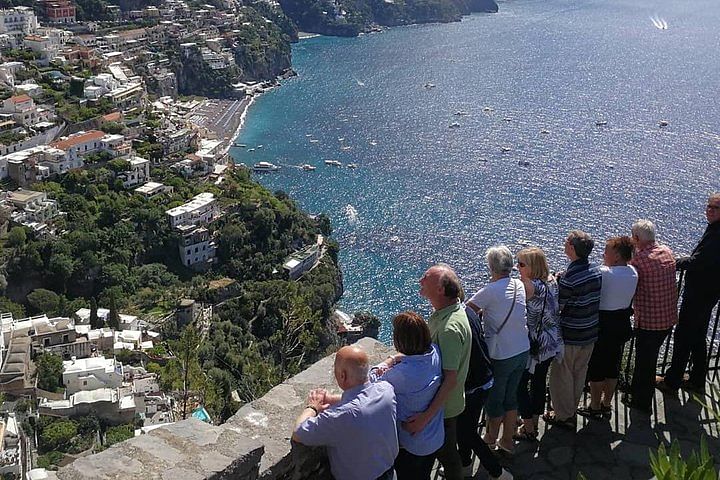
(712,207)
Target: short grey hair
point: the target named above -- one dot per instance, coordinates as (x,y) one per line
(644,230)
(714,197)
(499,260)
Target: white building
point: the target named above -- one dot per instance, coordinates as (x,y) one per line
(202,209)
(91,374)
(197,248)
(18,22)
(151,189)
(139,171)
(30,208)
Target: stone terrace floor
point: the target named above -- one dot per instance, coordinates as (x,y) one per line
(615,449)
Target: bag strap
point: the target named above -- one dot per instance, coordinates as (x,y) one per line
(512,307)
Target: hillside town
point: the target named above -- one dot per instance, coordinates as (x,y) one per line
(139,106)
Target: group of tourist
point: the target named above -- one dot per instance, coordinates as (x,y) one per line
(496,350)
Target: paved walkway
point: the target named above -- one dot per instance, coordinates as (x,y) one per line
(615,449)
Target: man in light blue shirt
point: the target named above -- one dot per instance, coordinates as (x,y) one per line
(358,428)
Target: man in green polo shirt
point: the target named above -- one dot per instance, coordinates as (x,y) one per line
(450,330)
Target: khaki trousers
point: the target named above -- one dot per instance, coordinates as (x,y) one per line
(567,379)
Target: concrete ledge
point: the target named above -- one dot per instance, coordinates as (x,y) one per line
(187,450)
(270,419)
(254,443)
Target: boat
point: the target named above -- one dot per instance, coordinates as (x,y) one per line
(373,142)
(308,167)
(259,147)
(488,109)
(265,167)
(454,125)
(241,145)
(251,150)
(346,147)
(429,85)
(523,163)
(462,113)
(544,131)
(314,140)
(507,119)
(334,163)
(505,149)
(352,165)
(600,123)
(664,123)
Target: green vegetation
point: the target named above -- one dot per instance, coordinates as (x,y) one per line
(8,138)
(118,434)
(49,372)
(119,250)
(670,465)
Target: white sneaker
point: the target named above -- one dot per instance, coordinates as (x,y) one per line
(505,475)
(468,471)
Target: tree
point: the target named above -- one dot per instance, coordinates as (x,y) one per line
(118,434)
(95,321)
(16,237)
(295,335)
(62,266)
(44,301)
(186,364)
(49,371)
(113,318)
(57,435)
(7,305)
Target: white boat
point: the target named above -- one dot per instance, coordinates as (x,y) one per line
(334,163)
(664,123)
(544,131)
(507,119)
(462,113)
(346,147)
(454,125)
(251,150)
(307,167)
(352,165)
(265,167)
(429,85)
(373,142)
(505,149)
(314,140)
(259,147)
(488,109)
(600,123)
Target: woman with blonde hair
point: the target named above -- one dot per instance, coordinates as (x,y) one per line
(541,292)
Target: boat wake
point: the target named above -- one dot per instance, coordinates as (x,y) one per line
(351,213)
(660,23)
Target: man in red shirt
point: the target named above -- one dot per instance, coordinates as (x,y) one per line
(655,306)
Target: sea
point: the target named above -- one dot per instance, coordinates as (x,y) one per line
(485,132)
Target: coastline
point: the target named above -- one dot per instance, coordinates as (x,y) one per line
(241,123)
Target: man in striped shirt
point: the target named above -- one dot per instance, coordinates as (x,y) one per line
(579,299)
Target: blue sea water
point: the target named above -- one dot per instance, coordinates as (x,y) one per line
(426,193)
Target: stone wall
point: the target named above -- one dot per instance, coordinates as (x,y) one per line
(252,444)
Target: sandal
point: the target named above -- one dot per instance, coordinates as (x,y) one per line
(504,451)
(523,435)
(589,412)
(568,424)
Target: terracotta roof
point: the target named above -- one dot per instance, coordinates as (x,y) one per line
(111,117)
(78,139)
(20,98)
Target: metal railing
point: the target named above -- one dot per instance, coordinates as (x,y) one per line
(713,354)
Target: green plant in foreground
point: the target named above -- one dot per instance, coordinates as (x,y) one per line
(671,466)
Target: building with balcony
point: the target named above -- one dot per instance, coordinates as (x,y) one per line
(197,248)
(201,210)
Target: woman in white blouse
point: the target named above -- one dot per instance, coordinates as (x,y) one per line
(502,305)
(619,281)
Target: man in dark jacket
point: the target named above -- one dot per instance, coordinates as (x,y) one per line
(701,294)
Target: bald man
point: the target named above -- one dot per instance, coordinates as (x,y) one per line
(357,427)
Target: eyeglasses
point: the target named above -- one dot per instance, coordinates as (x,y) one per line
(520,264)
(712,207)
